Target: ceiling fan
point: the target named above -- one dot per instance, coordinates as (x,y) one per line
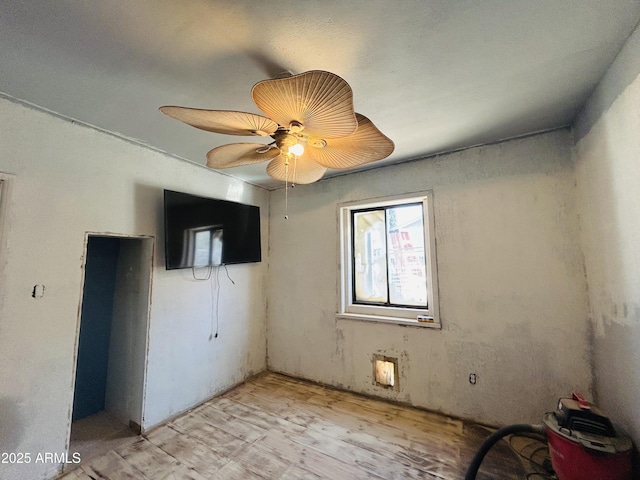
(310,118)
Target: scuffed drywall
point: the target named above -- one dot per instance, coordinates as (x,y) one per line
(511,279)
(608,174)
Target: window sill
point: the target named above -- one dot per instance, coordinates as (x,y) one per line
(405,322)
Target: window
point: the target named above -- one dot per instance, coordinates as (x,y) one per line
(388,263)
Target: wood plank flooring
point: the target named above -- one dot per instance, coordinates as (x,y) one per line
(276,427)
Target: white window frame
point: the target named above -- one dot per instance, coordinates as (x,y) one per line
(420,317)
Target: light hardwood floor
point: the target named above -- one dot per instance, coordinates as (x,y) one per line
(276,427)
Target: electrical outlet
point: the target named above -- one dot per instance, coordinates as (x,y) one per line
(473,378)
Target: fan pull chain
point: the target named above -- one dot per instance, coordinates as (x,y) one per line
(286,182)
(286,187)
(295,166)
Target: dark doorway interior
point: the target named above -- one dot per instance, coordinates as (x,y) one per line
(95,326)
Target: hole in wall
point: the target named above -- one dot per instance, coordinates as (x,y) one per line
(385,372)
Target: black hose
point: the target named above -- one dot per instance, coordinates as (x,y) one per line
(474,466)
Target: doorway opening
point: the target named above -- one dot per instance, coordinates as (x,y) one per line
(112,342)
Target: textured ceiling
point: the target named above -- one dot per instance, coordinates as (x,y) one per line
(433,75)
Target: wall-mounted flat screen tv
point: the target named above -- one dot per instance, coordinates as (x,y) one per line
(204,232)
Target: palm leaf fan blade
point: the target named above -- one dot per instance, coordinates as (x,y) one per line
(239,154)
(321,101)
(367,144)
(300,170)
(222,121)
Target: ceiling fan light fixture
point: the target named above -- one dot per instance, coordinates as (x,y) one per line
(290,144)
(297,149)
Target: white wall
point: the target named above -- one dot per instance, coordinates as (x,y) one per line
(607,156)
(70,179)
(511,278)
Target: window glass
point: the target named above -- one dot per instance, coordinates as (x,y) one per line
(406,259)
(370,258)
